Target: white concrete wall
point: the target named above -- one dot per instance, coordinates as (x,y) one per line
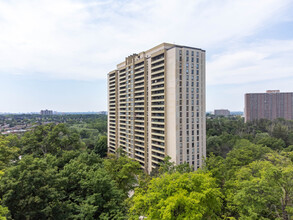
(171,126)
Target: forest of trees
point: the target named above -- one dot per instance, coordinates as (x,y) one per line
(62,171)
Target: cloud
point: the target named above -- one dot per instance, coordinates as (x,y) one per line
(83,40)
(266,60)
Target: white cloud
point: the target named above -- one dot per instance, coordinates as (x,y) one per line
(267,60)
(83,40)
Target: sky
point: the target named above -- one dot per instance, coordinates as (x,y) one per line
(55,54)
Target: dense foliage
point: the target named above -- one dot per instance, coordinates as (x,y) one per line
(51,173)
(223,133)
(192,195)
(62,171)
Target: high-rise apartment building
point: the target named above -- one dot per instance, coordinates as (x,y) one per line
(270,105)
(222,112)
(46,112)
(156,106)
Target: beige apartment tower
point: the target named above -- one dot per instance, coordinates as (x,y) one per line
(156,106)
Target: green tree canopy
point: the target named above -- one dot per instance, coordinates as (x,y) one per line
(263,189)
(101,146)
(192,195)
(124,171)
(70,187)
(51,139)
(8,154)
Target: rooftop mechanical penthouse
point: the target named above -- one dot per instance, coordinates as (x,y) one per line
(156,105)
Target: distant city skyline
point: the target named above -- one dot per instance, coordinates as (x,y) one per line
(56,54)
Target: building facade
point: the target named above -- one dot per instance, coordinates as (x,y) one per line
(156,106)
(270,105)
(222,112)
(46,112)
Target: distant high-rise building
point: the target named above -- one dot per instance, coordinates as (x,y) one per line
(156,106)
(46,112)
(222,112)
(102,113)
(270,105)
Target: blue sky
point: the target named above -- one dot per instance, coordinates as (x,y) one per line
(56,54)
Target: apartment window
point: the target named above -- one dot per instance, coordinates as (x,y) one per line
(192,59)
(180,52)
(192,53)
(187,52)
(187,89)
(187,59)
(192,71)
(197,60)
(187,102)
(187,77)
(180,71)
